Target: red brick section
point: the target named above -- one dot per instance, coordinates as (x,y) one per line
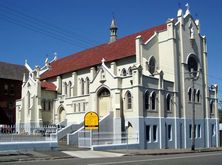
(123,47)
(48,86)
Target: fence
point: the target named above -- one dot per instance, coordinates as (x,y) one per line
(8,133)
(87,139)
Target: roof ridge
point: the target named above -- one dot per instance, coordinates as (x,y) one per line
(121,48)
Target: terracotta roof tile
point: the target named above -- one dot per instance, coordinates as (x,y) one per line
(48,86)
(121,48)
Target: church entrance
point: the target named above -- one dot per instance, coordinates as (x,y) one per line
(62,114)
(103,102)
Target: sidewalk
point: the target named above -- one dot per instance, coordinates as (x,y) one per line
(12,156)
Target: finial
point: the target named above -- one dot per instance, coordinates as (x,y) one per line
(103,60)
(55,56)
(188,9)
(26,61)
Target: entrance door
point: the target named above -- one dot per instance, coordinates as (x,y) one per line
(103,102)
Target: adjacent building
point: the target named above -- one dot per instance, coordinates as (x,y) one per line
(10,90)
(156,79)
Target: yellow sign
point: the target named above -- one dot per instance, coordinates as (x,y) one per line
(91,120)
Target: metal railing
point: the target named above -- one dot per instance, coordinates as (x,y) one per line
(8,133)
(87,138)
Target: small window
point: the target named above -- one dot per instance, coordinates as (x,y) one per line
(213,133)
(194,95)
(190,94)
(123,72)
(82,86)
(130,71)
(148,133)
(153,100)
(87,85)
(43,104)
(65,88)
(129,100)
(168,102)
(146,100)
(199,131)
(169,132)
(155,133)
(79,107)
(198,96)
(70,89)
(29,99)
(152,65)
(74,107)
(12,89)
(211,106)
(6,89)
(190,131)
(49,105)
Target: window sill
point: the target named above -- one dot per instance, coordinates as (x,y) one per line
(152,111)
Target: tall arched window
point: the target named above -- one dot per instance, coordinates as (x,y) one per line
(130,71)
(146,100)
(70,89)
(87,85)
(211,106)
(82,86)
(123,73)
(198,95)
(128,100)
(190,94)
(168,102)
(192,65)
(194,95)
(153,100)
(28,99)
(65,88)
(151,65)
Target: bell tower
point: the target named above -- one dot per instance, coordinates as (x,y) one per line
(113,31)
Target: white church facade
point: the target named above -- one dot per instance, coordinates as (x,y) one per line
(156,79)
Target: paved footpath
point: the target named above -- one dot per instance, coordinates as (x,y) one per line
(69,152)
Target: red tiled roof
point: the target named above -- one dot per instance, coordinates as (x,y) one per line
(121,48)
(48,86)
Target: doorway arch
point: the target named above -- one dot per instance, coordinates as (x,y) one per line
(103,102)
(62,114)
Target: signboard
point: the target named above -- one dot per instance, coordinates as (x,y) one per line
(91,120)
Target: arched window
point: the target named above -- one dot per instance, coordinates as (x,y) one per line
(211,106)
(82,86)
(123,73)
(130,71)
(87,85)
(28,99)
(168,102)
(104,92)
(194,95)
(190,94)
(43,104)
(198,95)
(152,65)
(70,89)
(146,100)
(65,88)
(128,100)
(153,100)
(192,65)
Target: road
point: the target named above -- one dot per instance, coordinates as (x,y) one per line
(206,158)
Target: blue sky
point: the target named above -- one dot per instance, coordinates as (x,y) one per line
(35,29)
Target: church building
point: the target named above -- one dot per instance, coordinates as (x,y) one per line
(155,79)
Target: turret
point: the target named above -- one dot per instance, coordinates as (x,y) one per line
(113,31)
